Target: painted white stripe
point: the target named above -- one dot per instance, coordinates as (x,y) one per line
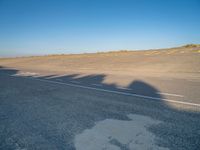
(56,76)
(170,94)
(124,88)
(14,75)
(26,74)
(115,92)
(48,77)
(97,84)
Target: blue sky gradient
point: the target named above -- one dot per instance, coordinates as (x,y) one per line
(38,27)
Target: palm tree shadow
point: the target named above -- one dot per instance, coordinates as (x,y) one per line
(141,100)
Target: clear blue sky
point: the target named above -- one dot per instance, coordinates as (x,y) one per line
(37,27)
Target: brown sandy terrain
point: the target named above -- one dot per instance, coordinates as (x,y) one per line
(181,62)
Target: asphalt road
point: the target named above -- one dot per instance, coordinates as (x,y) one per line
(76,113)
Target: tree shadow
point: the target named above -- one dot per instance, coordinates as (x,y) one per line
(180,128)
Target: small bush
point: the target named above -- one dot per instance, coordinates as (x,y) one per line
(191,45)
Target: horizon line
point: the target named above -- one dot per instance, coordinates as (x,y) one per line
(103,51)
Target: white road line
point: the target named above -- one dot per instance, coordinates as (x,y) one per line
(97,84)
(123,88)
(56,76)
(49,77)
(115,92)
(170,94)
(14,75)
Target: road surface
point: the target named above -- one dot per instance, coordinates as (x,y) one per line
(67,112)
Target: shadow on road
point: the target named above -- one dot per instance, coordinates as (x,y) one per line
(38,115)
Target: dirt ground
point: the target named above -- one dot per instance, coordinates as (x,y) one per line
(180,62)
